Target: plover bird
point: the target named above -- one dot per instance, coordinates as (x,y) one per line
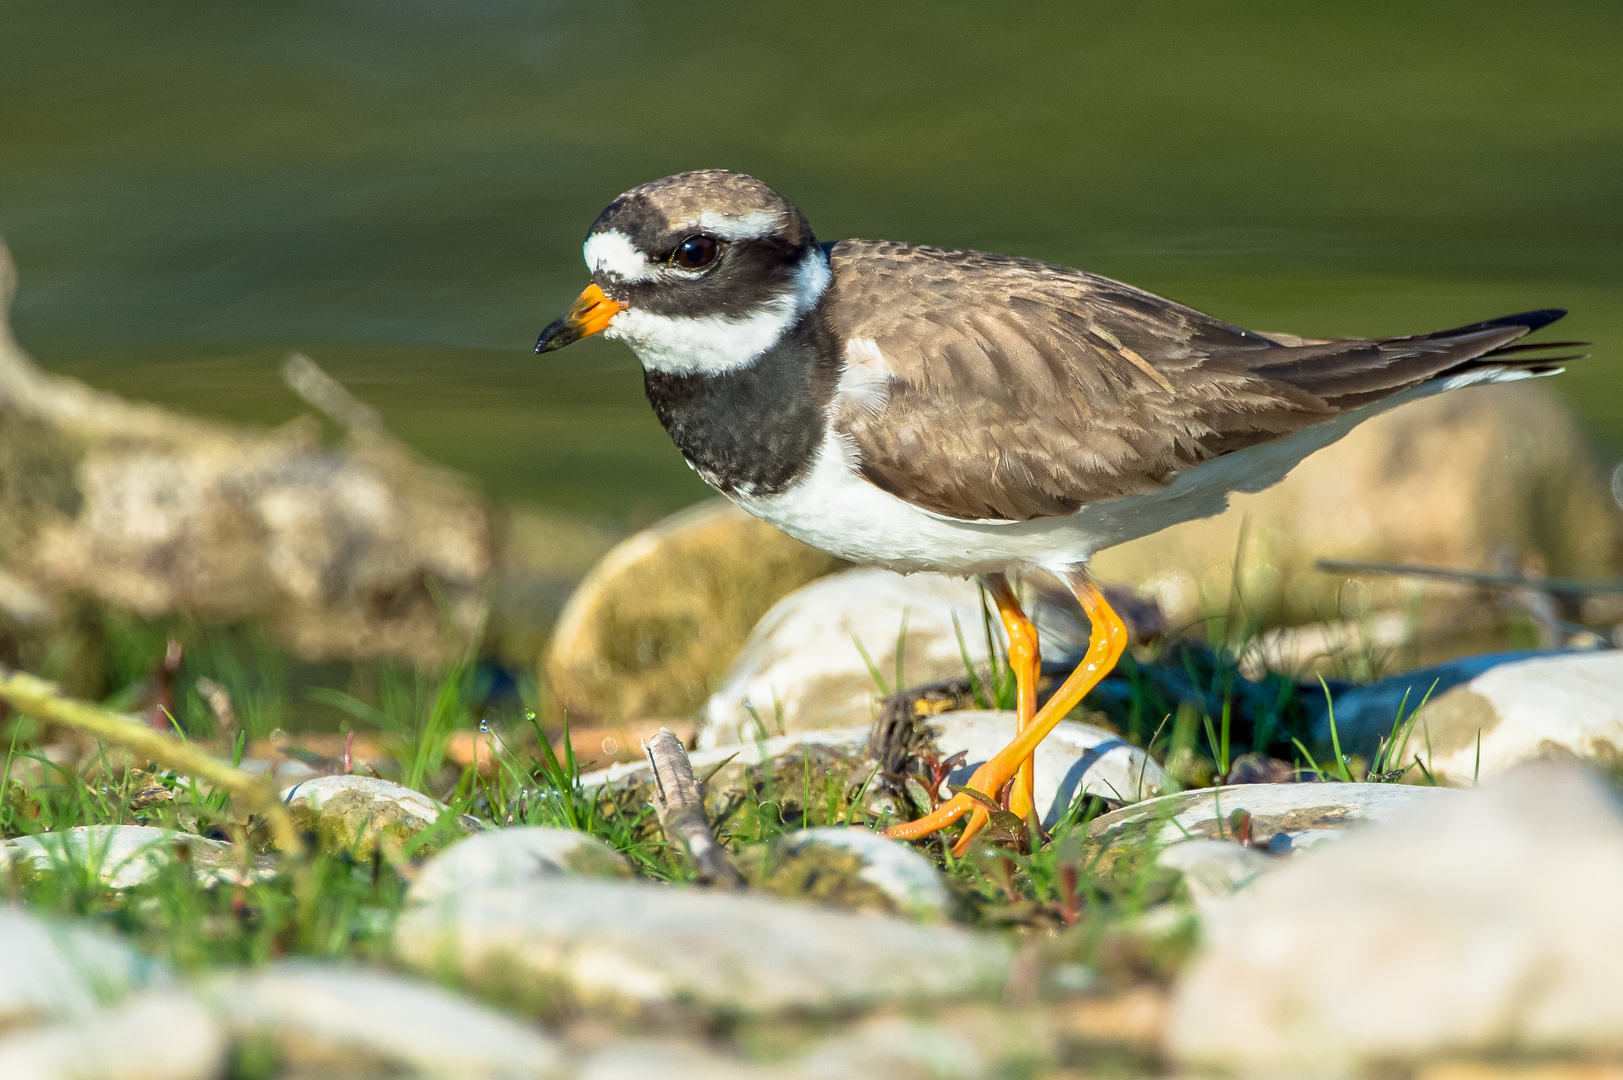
(928,409)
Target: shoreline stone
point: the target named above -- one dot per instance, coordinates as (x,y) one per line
(129,855)
(629,947)
(657,621)
(910,883)
(1287,817)
(1213,869)
(351,813)
(514,856)
(343,1020)
(803,668)
(1481,924)
(1364,714)
(153,1035)
(65,971)
(1568,705)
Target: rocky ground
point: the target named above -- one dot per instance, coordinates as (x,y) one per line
(1251,854)
(536,921)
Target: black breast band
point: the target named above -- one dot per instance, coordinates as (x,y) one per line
(755,430)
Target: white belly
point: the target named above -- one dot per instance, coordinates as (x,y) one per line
(836,510)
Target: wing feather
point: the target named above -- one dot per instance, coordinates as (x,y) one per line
(1019,390)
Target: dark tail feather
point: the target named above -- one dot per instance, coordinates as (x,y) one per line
(1351,373)
(1530,320)
(1515,352)
(1532,346)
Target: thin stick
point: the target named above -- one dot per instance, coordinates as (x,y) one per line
(43,699)
(1474,577)
(326,393)
(680,806)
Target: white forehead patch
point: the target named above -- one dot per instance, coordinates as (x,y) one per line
(751,226)
(714,344)
(612,252)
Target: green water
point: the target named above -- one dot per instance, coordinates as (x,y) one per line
(400,189)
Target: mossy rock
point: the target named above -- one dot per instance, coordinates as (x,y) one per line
(820,875)
(356,814)
(124,856)
(852,868)
(1286,815)
(658,620)
(514,856)
(761,789)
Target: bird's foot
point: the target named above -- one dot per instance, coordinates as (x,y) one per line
(978,798)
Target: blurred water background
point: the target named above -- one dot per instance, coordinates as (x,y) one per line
(400,189)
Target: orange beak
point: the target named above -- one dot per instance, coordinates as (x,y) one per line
(588,315)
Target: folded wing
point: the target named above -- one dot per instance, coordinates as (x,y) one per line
(984,387)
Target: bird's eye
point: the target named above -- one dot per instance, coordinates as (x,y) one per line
(695,252)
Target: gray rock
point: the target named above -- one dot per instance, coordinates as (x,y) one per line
(635,945)
(650,631)
(1364,714)
(344,552)
(972,1045)
(1213,869)
(907,879)
(976,1042)
(334,1020)
(124,856)
(897,1049)
(1569,705)
(802,670)
(1284,816)
(1484,923)
(352,813)
(513,857)
(1075,759)
(154,1035)
(61,971)
(643,1059)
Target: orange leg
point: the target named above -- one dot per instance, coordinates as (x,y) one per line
(1109,639)
(1025,660)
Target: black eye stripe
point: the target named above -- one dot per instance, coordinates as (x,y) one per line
(752,273)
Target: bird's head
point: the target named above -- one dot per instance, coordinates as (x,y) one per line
(698,272)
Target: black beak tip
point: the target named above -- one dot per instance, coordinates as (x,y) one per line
(556,336)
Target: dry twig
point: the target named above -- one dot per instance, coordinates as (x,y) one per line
(1559,586)
(326,393)
(35,696)
(680,806)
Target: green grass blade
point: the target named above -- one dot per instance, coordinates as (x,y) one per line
(1314,765)
(901,654)
(873,668)
(1335,737)
(976,689)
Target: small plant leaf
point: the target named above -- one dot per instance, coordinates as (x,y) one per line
(985,800)
(1005,826)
